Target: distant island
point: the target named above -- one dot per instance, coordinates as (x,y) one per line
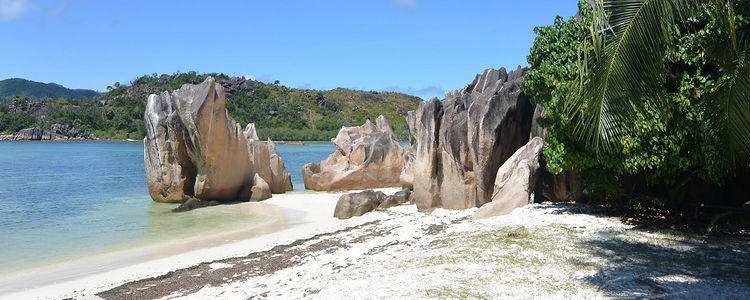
(38,90)
(33,110)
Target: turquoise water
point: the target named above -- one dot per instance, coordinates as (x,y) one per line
(61,199)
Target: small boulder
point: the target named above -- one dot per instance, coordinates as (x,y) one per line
(194,203)
(260,190)
(357,204)
(396,199)
(514,182)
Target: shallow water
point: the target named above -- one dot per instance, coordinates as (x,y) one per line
(63,200)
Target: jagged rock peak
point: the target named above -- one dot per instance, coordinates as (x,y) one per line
(459,143)
(193,148)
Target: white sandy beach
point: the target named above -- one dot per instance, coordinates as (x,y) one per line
(539,251)
(292,216)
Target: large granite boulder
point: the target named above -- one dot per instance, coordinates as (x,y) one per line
(193,148)
(357,204)
(460,142)
(514,182)
(170,172)
(368,156)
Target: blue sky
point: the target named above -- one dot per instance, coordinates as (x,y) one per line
(419,47)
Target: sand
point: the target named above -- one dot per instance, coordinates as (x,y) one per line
(539,251)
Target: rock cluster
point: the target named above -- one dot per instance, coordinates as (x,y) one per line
(367,156)
(56,132)
(193,148)
(460,143)
(481,146)
(357,204)
(36,109)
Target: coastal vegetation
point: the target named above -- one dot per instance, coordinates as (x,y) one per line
(650,100)
(280,112)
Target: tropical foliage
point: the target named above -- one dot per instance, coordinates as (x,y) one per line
(648,97)
(280,113)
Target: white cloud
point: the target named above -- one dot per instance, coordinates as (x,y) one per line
(249,77)
(404,4)
(13,9)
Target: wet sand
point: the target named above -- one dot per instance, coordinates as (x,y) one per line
(272,219)
(289,217)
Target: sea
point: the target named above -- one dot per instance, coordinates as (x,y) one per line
(65,200)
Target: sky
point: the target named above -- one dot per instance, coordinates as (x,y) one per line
(419,47)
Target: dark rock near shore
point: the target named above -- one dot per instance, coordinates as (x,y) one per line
(396,199)
(194,203)
(357,204)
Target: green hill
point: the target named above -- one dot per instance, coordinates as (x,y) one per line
(37,90)
(280,113)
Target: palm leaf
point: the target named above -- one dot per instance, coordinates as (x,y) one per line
(730,104)
(628,69)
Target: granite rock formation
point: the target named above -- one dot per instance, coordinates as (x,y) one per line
(193,148)
(460,142)
(367,156)
(514,182)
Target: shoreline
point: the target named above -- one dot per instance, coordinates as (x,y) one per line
(304,214)
(540,250)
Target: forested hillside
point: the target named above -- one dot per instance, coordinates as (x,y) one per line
(37,90)
(280,113)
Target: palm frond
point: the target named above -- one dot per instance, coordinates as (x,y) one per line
(629,67)
(730,104)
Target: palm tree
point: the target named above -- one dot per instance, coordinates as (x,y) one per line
(629,40)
